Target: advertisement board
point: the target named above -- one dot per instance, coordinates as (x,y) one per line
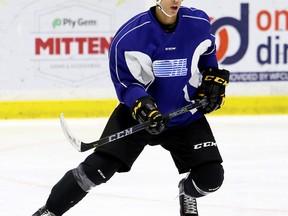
(252,43)
(59,49)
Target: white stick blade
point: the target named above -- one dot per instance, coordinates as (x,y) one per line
(71,138)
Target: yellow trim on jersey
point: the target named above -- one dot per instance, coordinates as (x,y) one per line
(241,105)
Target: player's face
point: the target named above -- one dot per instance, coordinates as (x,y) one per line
(171,6)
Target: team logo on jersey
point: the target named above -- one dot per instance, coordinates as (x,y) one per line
(170,68)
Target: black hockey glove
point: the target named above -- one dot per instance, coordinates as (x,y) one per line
(213,86)
(145,109)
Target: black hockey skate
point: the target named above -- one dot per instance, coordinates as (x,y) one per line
(43,211)
(188,204)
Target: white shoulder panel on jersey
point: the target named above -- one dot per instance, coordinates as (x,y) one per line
(196,76)
(140,66)
(200,50)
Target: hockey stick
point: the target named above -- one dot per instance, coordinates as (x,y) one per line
(81,146)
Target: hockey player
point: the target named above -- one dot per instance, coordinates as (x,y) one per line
(160,60)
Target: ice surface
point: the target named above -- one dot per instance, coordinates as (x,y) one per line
(34,155)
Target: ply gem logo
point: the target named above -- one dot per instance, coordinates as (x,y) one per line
(56,22)
(241,26)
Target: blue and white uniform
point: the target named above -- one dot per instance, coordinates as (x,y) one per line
(144,60)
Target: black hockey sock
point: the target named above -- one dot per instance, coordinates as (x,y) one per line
(65,194)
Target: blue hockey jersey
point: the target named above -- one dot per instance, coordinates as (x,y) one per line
(144,60)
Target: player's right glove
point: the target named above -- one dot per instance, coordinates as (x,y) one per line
(145,109)
(213,86)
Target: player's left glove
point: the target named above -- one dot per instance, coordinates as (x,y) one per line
(213,86)
(145,109)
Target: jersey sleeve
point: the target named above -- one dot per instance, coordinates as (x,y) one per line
(208,58)
(131,71)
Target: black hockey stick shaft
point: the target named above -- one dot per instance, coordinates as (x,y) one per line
(82,146)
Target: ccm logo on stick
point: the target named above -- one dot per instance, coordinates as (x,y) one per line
(120,134)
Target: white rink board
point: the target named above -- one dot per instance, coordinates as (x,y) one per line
(254,31)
